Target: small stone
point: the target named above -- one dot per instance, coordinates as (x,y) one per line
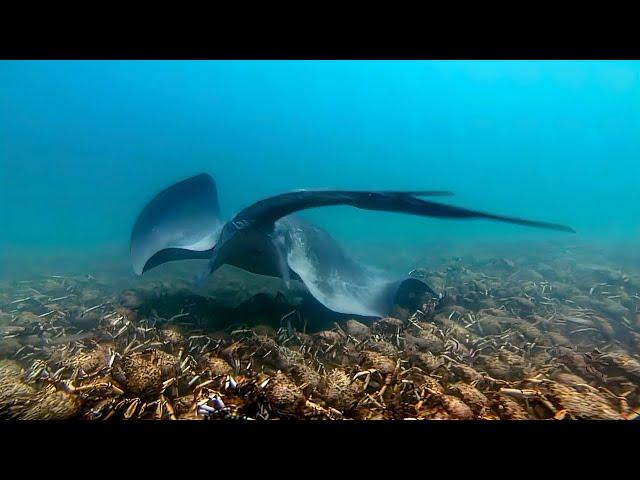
(510,409)
(456,407)
(357,330)
(131,299)
(525,274)
(470,395)
(425,342)
(216,366)
(329,337)
(377,361)
(388,325)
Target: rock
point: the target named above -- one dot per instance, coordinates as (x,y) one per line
(357,330)
(582,300)
(5,318)
(497,368)
(600,274)
(131,299)
(490,325)
(436,282)
(428,327)
(471,396)
(377,361)
(568,378)
(457,311)
(583,405)
(515,362)
(456,407)
(547,271)
(27,319)
(626,364)
(467,373)
(487,303)
(214,365)
(265,330)
(388,325)
(89,296)
(604,326)
(525,274)
(383,347)
(528,330)
(172,335)
(10,369)
(540,358)
(84,321)
(523,303)
(425,361)
(9,347)
(610,308)
(425,342)
(555,338)
(508,263)
(510,409)
(14,397)
(328,337)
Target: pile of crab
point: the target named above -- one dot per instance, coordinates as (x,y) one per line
(511,339)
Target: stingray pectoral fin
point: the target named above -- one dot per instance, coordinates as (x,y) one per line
(422,193)
(268,210)
(181,222)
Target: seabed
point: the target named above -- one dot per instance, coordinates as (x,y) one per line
(550,334)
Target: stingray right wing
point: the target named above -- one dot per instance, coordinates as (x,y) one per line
(332,277)
(265,212)
(181,222)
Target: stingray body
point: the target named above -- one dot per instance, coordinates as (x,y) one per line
(183,222)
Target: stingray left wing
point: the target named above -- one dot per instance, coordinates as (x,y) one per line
(181,222)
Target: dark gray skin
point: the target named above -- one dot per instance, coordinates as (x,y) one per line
(181,222)
(264,238)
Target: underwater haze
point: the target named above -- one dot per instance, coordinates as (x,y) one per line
(85,144)
(425,318)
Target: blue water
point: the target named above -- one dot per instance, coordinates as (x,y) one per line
(84,144)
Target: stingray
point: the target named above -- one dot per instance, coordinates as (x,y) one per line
(184,222)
